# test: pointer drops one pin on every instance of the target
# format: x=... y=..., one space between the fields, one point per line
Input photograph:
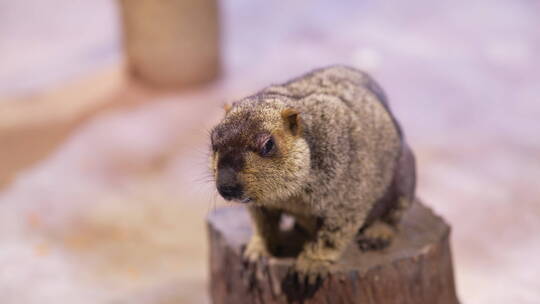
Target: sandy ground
x=116 y=213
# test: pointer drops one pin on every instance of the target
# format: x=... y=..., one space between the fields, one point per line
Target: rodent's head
x=259 y=154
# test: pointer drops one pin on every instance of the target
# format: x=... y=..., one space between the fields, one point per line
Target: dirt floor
x=115 y=214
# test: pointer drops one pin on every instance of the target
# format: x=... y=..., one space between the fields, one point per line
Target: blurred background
x=105 y=107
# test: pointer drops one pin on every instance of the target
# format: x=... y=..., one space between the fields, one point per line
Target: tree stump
x=416 y=268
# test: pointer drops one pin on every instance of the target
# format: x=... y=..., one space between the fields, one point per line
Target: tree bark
x=416 y=268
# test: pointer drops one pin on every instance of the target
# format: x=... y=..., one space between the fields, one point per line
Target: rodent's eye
x=268 y=147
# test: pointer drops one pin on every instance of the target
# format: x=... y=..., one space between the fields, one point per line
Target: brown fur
x=338 y=163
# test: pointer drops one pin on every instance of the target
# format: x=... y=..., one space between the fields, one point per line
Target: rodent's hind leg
x=376 y=236
x=405 y=185
x=264 y=240
x=393 y=217
x=379 y=234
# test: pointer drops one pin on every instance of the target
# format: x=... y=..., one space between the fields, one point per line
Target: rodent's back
x=348 y=84
x=352 y=135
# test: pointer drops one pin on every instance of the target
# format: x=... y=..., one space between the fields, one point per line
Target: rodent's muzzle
x=228 y=184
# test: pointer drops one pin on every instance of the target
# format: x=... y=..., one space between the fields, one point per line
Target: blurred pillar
x=171 y=43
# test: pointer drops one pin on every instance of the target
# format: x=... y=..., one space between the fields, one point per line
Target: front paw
x=306 y=279
x=312 y=271
x=255 y=249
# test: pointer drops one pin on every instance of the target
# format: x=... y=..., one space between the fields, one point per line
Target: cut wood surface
x=415 y=268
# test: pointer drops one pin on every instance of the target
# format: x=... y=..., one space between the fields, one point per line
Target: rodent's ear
x=292 y=119
x=227 y=107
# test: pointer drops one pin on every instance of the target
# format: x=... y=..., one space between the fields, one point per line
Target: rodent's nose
x=228 y=185
x=230 y=192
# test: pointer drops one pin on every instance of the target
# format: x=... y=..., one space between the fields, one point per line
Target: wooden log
x=416 y=268
x=171 y=43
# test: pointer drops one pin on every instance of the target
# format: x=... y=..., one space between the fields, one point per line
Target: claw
x=307 y=277
x=300 y=286
x=255 y=249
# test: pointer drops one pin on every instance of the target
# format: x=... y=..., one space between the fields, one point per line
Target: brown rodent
x=323 y=148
